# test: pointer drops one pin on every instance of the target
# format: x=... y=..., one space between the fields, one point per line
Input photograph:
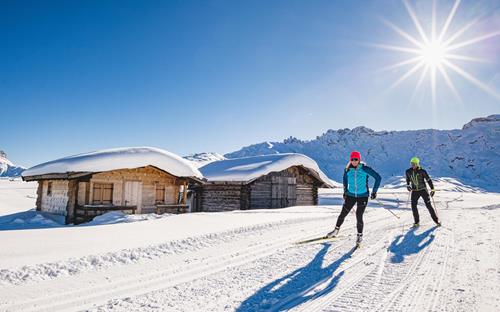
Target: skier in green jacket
x=416 y=177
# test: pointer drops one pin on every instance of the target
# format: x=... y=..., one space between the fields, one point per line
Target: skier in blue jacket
x=356 y=191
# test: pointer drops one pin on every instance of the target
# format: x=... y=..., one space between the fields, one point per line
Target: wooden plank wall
x=55 y=203
x=261 y=194
x=148 y=176
x=221 y=197
x=278 y=189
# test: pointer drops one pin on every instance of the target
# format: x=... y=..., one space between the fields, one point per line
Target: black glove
x=432 y=193
x=408 y=188
x=373 y=196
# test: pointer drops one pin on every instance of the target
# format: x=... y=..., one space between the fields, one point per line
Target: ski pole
x=408 y=200
x=382 y=205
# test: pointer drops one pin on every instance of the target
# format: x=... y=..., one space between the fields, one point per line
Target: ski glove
x=374 y=195
x=408 y=188
x=432 y=193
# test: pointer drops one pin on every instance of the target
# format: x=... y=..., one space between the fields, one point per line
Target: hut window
x=102 y=193
x=49 y=188
x=160 y=194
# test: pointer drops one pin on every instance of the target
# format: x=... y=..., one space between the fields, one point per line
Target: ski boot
x=438 y=224
x=333 y=233
x=415 y=225
x=359 y=239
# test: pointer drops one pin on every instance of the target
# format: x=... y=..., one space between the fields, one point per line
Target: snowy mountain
x=470 y=154
x=201 y=159
x=7 y=168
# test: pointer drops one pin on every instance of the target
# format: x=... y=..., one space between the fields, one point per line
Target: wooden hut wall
x=148 y=178
x=54 y=197
x=289 y=187
x=224 y=197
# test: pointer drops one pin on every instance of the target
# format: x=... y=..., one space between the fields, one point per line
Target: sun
x=434 y=54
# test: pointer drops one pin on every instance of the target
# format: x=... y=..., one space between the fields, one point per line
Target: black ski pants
x=415 y=195
x=348 y=204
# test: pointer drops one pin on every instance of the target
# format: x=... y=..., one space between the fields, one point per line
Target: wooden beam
x=184 y=193
x=39 y=194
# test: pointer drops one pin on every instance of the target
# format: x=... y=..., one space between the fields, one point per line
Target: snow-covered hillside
x=471 y=154
x=249 y=260
x=202 y=159
x=7 y=168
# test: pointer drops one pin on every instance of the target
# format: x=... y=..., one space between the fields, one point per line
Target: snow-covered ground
x=248 y=260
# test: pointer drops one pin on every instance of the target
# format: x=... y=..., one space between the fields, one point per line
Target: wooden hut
x=269 y=181
x=132 y=180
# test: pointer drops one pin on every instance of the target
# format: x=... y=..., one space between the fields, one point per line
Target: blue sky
x=191 y=76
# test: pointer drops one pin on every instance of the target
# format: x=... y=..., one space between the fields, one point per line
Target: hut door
x=133 y=194
x=283 y=192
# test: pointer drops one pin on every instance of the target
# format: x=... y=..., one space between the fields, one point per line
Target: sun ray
x=473 y=40
x=403 y=33
x=472 y=79
x=433 y=84
x=448 y=81
x=420 y=81
x=466 y=58
x=396 y=48
x=414 y=18
x=433 y=22
x=406 y=75
x=448 y=20
x=400 y=64
x=460 y=32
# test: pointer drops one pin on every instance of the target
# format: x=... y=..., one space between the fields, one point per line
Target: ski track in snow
x=452 y=268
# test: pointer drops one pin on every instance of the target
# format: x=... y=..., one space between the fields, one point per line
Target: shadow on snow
x=410 y=243
x=297 y=287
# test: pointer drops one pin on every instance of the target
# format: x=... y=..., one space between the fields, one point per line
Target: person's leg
x=362 y=202
x=427 y=201
x=348 y=204
x=415 y=195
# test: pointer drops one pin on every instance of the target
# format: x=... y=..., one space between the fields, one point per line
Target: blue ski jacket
x=356 y=180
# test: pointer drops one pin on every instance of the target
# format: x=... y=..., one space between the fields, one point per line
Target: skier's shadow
x=292 y=289
x=410 y=243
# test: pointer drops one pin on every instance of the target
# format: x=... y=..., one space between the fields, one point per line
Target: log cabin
x=132 y=180
x=268 y=181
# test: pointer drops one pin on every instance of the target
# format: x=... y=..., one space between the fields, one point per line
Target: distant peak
x=291 y=140
x=362 y=129
x=481 y=120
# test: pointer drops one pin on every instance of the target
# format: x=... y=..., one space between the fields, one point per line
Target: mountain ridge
x=7 y=168
x=470 y=154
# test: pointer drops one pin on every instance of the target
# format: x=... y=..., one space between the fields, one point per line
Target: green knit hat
x=415 y=160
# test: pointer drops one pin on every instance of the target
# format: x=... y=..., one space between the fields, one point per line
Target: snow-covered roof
x=248 y=169
x=118 y=158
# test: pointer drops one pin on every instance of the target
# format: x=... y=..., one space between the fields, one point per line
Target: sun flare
x=435 y=52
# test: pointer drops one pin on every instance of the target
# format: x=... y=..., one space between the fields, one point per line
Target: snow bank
x=30 y=219
x=440 y=184
x=114 y=217
x=248 y=169
x=41 y=255
x=118 y=158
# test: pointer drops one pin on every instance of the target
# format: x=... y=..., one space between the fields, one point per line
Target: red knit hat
x=355 y=154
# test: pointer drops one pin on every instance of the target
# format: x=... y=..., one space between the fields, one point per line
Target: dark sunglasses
x=354 y=159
